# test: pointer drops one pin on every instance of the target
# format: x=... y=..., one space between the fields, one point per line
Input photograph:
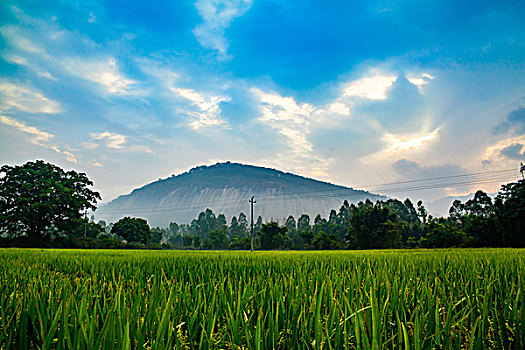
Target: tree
x=273 y=236
x=422 y=211
x=207 y=222
x=443 y=234
x=322 y=241
x=156 y=235
x=40 y=199
x=236 y=230
x=374 y=227
x=291 y=225
x=510 y=211
x=303 y=224
x=132 y=229
x=217 y=239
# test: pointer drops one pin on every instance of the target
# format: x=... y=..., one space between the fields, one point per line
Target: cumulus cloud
x=515 y=122
x=207 y=111
x=505 y=151
x=372 y=87
x=216 y=17
x=38 y=137
x=18 y=97
x=515 y=151
x=339 y=108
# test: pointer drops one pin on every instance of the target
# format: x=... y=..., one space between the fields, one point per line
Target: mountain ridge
x=226 y=187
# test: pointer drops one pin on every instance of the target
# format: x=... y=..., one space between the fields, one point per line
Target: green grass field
x=332 y=300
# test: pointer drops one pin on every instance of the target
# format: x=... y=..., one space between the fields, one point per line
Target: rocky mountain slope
x=226 y=188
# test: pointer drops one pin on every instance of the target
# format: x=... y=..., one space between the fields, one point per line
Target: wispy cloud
x=31 y=42
x=116 y=142
x=419 y=79
x=102 y=71
x=208 y=108
x=216 y=17
x=112 y=140
x=38 y=137
x=13 y=96
x=294 y=121
x=19 y=38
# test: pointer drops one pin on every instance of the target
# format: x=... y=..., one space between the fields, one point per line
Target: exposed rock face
x=226 y=188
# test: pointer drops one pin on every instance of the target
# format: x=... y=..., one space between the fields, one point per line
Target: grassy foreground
x=332 y=300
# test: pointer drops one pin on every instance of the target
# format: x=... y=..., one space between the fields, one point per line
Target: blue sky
x=355 y=93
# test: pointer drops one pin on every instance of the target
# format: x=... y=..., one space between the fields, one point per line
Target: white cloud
x=116 y=142
x=373 y=87
x=339 y=108
x=217 y=16
x=290 y=119
x=419 y=79
x=208 y=108
x=14 y=96
x=18 y=38
x=70 y=157
x=295 y=122
x=38 y=137
x=29 y=48
x=411 y=141
x=101 y=71
x=493 y=153
x=112 y=140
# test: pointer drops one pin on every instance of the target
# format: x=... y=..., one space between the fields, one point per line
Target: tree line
x=42 y=205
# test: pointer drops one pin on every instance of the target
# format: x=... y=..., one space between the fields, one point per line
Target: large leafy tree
x=510 y=211
x=132 y=229
x=273 y=236
x=38 y=199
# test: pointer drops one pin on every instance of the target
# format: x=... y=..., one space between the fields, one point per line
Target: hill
x=226 y=188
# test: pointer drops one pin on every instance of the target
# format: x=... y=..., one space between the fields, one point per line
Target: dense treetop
x=40 y=199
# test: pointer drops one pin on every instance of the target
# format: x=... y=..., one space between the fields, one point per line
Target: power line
x=332 y=192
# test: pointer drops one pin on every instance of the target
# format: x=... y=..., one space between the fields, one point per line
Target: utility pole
x=252 y=202
x=85 y=224
x=522 y=171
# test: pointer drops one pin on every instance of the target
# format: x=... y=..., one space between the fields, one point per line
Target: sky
x=357 y=93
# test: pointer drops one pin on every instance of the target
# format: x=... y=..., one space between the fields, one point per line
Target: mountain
x=226 y=188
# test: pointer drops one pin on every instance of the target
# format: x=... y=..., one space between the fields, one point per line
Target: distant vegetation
x=42 y=205
x=446 y=299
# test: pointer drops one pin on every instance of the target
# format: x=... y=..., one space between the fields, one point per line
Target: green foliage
x=132 y=230
x=374 y=227
x=217 y=239
x=444 y=234
x=273 y=236
x=443 y=299
x=40 y=200
x=323 y=241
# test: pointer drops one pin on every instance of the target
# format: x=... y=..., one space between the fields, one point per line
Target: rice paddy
x=418 y=299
